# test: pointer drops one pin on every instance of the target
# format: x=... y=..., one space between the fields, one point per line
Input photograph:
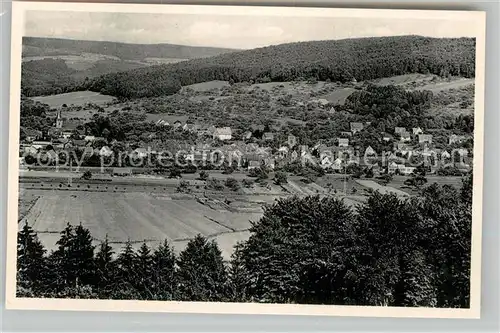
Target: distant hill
x=52 y=65
x=35 y=46
x=337 y=60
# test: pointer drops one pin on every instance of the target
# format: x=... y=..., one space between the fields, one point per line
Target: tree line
x=389 y=251
x=336 y=60
x=344 y=60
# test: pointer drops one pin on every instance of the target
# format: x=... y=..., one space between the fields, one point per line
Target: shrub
x=203 y=175
x=183 y=187
x=280 y=178
x=233 y=184
x=247 y=182
x=87 y=175
x=214 y=184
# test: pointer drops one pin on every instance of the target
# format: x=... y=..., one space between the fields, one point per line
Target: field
x=380 y=188
x=75 y=98
x=81 y=62
x=338 y=96
x=135 y=216
x=206 y=86
x=158 y=61
x=398 y=182
x=454 y=84
x=407 y=79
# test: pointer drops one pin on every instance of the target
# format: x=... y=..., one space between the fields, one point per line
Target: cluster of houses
x=219 y=133
x=407 y=146
x=250 y=155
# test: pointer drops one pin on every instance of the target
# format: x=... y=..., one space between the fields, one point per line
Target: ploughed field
x=139 y=217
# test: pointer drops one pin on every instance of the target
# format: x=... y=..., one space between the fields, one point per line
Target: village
x=411 y=148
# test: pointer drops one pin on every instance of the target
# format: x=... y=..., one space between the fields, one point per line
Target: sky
x=228 y=31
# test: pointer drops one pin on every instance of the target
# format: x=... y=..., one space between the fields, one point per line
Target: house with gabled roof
x=140 y=152
x=387 y=137
x=399 y=130
x=456 y=138
x=223 y=133
x=191 y=128
x=269 y=162
x=345 y=133
x=105 y=151
x=425 y=138
x=356 y=127
x=247 y=135
x=268 y=136
x=405 y=170
x=343 y=142
x=162 y=122
x=369 y=151
x=392 y=167
x=292 y=140
x=417 y=131
x=32 y=135
x=282 y=152
x=30 y=150
x=445 y=155
x=253 y=164
x=405 y=137
x=326 y=161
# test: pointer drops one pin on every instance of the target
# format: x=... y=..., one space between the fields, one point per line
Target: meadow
x=132 y=216
x=78 y=98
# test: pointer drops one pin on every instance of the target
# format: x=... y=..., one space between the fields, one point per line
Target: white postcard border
x=476 y=18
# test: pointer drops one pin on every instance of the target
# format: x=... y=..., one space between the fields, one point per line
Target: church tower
x=59 y=120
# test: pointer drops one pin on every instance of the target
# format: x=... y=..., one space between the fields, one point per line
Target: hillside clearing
x=404 y=79
x=338 y=96
x=206 y=86
x=78 y=98
x=440 y=86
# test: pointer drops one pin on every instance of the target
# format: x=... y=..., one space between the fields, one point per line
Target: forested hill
x=35 y=46
x=340 y=60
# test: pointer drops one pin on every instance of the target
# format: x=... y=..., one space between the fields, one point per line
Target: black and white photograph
x=246 y=159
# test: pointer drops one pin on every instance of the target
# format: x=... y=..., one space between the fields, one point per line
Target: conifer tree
x=31 y=262
x=144 y=271
x=238 y=275
x=202 y=274
x=61 y=260
x=82 y=252
x=74 y=258
x=164 y=276
x=105 y=269
x=126 y=274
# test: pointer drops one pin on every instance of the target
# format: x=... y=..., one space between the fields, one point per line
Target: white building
x=223 y=133
x=105 y=151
